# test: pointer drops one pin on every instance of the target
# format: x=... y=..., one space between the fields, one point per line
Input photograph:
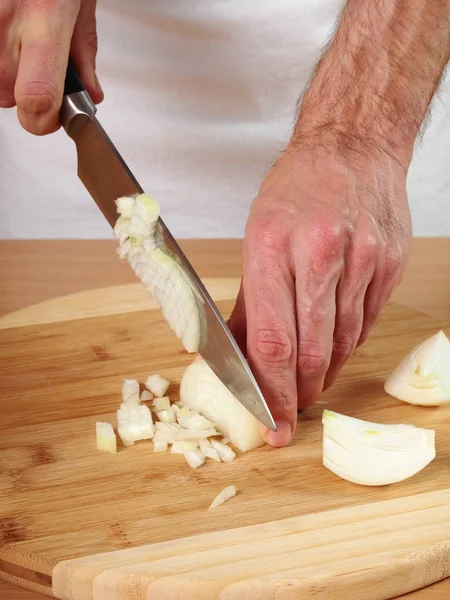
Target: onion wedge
x=373 y=454
x=201 y=390
x=423 y=376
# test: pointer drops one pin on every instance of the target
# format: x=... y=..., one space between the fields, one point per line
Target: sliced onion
x=223 y=496
x=162 y=276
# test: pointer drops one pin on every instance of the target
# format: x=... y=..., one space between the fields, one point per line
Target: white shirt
x=201 y=96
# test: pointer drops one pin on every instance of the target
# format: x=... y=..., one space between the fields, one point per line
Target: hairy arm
x=374 y=84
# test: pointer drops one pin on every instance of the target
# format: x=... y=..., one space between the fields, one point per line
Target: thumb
x=84 y=49
x=238 y=321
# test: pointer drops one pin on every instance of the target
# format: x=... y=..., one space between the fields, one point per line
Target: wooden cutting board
x=81 y=525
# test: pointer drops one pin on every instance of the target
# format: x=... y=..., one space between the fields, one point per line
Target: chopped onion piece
x=160 y=445
x=167 y=416
x=183 y=447
x=184 y=412
x=134 y=423
x=194 y=458
x=225 y=453
x=223 y=496
x=207 y=449
x=195 y=434
x=372 y=454
x=225 y=440
x=157 y=385
x=146 y=396
x=106 y=438
x=195 y=422
x=125 y=206
x=130 y=391
x=161 y=403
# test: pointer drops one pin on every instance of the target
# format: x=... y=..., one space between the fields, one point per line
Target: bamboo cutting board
x=80 y=525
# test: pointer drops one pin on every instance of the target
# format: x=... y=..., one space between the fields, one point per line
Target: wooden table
x=34 y=271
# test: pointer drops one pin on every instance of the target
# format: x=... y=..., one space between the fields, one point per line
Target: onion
x=372 y=454
x=163 y=277
x=195 y=422
x=161 y=403
x=160 y=445
x=146 y=396
x=202 y=390
x=423 y=376
x=130 y=391
x=194 y=458
x=157 y=385
x=183 y=447
x=167 y=416
x=225 y=453
x=223 y=496
x=106 y=438
x=207 y=449
x=134 y=423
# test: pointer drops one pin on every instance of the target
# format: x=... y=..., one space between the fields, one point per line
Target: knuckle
x=273 y=346
x=327 y=242
x=312 y=360
x=343 y=345
x=38 y=97
x=37 y=5
x=367 y=251
x=267 y=243
x=91 y=38
x=393 y=260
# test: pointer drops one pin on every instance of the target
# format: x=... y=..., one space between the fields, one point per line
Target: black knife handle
x=73 y=83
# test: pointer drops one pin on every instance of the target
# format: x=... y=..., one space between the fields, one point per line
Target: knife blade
x=106 y=177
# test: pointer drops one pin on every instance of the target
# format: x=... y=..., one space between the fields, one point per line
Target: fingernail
x=281 y=437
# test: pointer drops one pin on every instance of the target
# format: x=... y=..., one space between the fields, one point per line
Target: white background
x=200 y=97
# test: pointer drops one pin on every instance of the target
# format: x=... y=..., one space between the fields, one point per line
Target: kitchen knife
x=107 y=177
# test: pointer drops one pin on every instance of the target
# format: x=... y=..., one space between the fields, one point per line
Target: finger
x=46 y=33
x=238 y=321
x=317 y=277
x=271 y=330
x=84 y=49
x=359 y=270
x=9 y=62
x=386 y=277
x=9 y=59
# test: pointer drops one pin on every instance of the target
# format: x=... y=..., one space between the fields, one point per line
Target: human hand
x=326 y=242
x=36 y=37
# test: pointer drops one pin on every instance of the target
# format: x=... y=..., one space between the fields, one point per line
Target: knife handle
x=73 y=83
x=76 y=101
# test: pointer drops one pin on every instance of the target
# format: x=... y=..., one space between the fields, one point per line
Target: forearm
x=376 y=80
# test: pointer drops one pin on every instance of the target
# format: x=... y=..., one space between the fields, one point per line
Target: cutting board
x=82 y=525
